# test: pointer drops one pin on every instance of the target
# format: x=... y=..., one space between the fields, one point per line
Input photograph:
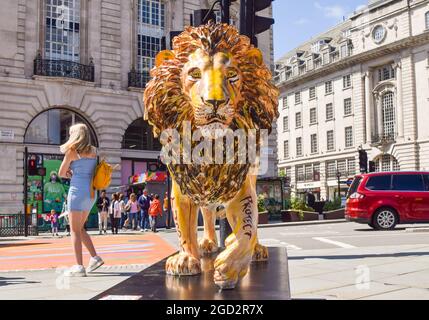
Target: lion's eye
x=231 y=74
x=195 y=73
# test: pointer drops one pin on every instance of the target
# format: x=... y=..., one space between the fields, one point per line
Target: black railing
x=63 y=68
x=12 y=225
x=383 y=138
x=138 y=79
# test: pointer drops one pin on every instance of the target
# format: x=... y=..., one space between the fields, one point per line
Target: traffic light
x=250 y=23
x=32 y=167
x=226 y=4
x=371 y=166
x=363 y=161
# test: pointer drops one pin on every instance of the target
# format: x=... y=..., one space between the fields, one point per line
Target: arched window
x=386 y=163
x=51 y=127
x=389 y=120
x=139 y=136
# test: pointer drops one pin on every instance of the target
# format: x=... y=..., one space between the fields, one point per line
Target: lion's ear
x=164 y=56
x=256 y=55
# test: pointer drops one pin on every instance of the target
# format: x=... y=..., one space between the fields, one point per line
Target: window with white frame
x=331 y=169
x=328 y=87
x=349 y=137
x=314 y=143
x=386 y=73
x=285 y=104
x=344 y=51
x=289 y=172
x=342 y=167
x=330 y=143
x=351 y=166
x=298 y=120
x=151 y=21
x=316 y=172
x=309 y=172
x=329 y=112
x=62 y=32
x=297 y=97
x=299 y=147
x=348 y=107
x=312 y=93
x=389 y=121
x=347 y=81
x=286 y=149
x=300 y=177
x=313 y=116
x=285 y=123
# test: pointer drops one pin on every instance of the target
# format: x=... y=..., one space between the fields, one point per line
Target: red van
x=383 y=200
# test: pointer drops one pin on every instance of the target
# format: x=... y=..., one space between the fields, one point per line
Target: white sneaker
x=75 y=271
x=94 y=263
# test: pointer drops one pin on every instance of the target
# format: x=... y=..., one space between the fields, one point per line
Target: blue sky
x=299 y=20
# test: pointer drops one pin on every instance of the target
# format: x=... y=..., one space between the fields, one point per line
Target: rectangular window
x=285 y=105
x=297 y=97
x=309 y=172
x=329 y=112
x=300 y=177
x=386 y=73
x=312 y=93
x=62 y=32
x=313 y=116
x=348 y=107
x=285 y=124
x=328 y=87
x=330 y=140
x=408 y=182
x=286 y=149
x=349 y=137
x=379 y=183
x=347 y=81
x=331 y=169
x=343 y=51
x=351 y=167
x=299 y=147
x=314 y=145
x=150 y=31
x=342 y=167
x=298 y=120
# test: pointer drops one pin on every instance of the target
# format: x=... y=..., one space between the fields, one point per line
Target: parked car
x=384 y=200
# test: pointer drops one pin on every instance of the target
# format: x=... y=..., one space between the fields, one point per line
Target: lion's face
x=213 y=85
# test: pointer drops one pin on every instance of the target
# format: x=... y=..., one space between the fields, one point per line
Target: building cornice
x=348 y=62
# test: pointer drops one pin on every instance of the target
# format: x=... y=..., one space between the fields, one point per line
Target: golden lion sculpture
x=213 y=79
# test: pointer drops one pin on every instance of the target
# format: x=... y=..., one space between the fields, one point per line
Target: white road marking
x=335 y=243
x=285 y=234
x=275 y=242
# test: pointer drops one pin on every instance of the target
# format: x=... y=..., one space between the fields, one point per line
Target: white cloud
x=334 y=11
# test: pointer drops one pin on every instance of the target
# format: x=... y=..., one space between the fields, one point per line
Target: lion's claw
x=260 y=253
x=183 y=264
x=208 y=246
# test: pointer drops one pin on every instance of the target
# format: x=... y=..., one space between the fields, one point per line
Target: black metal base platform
x=265 y=281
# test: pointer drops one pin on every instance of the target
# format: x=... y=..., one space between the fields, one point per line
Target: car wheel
x=385 y=219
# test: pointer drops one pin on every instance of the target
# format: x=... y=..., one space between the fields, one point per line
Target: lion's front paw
x=208 y=246
x=260 y=253
x=230 y=266
x=183 y=264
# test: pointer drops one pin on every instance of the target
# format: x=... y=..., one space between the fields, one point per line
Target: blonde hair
x=79 y=139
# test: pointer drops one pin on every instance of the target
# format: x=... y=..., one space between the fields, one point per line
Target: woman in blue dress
x=79 y=164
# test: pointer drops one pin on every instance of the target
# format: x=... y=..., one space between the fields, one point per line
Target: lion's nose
x=216 y=104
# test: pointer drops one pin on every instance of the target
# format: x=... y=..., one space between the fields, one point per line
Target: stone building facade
x=362 y=84
x=68 y=61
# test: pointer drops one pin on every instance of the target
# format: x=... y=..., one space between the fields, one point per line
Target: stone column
x=368 y=105
x=399 y=104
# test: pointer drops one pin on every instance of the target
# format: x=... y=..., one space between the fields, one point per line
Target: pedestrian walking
x=54 y=223
x=133 y=207
x=155 y=210
x=144 y=202
x=103 y=206
x=66 y=220
x=124 y=214
x=79 y=164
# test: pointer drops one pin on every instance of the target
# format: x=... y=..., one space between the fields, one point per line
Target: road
x=352 y=261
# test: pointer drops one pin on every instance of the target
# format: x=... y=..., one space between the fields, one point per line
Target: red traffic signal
x=32 y=167
x=250 y=23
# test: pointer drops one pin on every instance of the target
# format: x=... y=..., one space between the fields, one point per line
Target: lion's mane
x=167 y=107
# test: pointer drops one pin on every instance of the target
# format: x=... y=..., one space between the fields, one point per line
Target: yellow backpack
x=102 y=177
